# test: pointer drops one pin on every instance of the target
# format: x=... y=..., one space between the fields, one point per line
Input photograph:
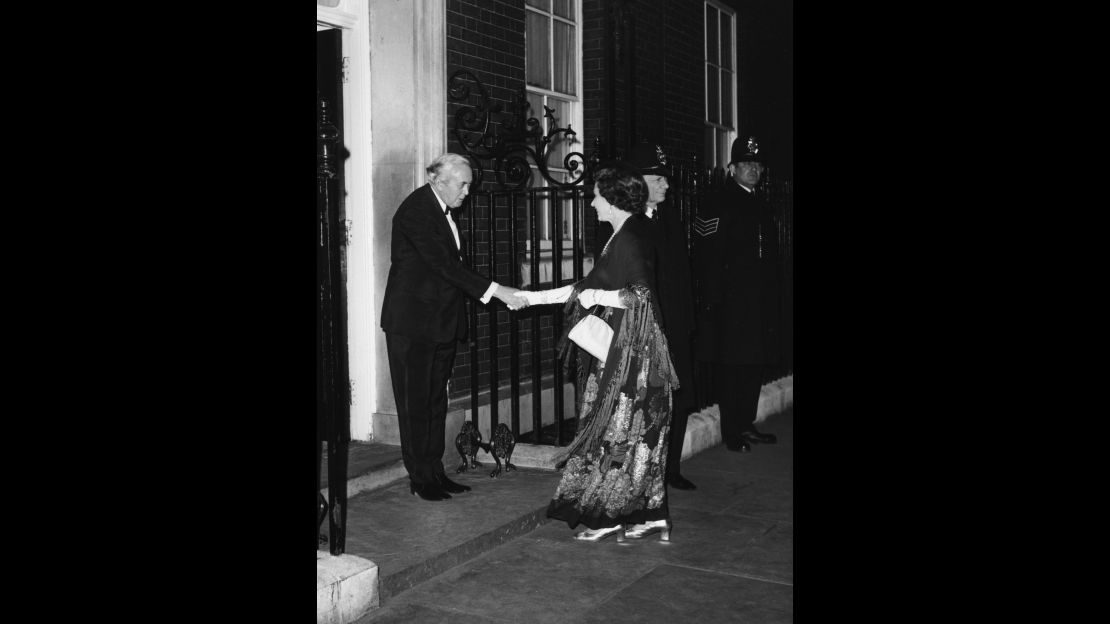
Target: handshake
x=511 y=296
x=516 y=299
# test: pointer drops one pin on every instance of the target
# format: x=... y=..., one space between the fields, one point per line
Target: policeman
x=676 y=297
x=734 y=247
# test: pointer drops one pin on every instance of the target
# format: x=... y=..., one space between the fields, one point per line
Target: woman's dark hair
x=623 y=186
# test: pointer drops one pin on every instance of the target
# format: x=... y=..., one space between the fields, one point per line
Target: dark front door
x=333 y=413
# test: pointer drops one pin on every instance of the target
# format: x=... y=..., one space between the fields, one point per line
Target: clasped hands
x=511 y=297
x=517 y=299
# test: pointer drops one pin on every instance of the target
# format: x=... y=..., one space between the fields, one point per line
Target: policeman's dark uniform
x=734 y=247
x=673 y=279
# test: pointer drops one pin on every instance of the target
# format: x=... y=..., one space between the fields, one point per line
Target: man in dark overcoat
x=676 y=296
x=424 y=318
x=734 y=246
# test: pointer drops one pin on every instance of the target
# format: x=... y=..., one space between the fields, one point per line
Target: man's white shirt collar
x=442 y=204
x=450 y=221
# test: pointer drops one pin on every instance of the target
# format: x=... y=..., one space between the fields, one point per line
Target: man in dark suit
x=734 y=242
x=424 y=318
x=676 y=298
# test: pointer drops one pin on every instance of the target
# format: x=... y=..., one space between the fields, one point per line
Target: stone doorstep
x=374 y=478
x=346 y=588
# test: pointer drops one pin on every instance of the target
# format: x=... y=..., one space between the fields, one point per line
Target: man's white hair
x=449 y=160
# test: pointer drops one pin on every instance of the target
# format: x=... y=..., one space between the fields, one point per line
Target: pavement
x=491 y=555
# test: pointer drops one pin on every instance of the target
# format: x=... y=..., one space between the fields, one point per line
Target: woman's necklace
x=611 y=236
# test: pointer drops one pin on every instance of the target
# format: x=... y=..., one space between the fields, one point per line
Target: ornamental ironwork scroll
x=514 y=140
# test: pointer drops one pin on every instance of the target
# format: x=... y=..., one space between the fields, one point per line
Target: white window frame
x=720 y=152
x=555 y=168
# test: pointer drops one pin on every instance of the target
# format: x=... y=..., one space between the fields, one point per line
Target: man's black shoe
x=680 y=482
x=450 y=486
x=740 y=445
x=428 y=491
x=756 y=437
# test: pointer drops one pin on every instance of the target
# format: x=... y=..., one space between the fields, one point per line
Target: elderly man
x=734 y=240
x=676 y=298
x=424 y=318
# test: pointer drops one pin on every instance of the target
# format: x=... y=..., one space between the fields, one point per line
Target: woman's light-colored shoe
x=596 y=535
x=638 y=531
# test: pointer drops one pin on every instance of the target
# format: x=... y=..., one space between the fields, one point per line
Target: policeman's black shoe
x=740 y=444
x=756 y=437
x=428 y=491
x=450 y=486
x=680 y=482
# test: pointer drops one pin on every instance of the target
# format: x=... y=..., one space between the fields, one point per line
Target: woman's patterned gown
x=615 y=467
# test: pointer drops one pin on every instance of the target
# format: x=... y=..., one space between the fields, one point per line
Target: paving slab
x=769 y=498
x=530 y=580
x=677 y=594
x=771 y=555
x=708 y=541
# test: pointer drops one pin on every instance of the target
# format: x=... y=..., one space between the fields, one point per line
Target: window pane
x=726 y=41
x=537 y=51
x=711 y=34
x=535 y=103
x=565 y=59
x=540 y=4
x=726 y=98
x=543 y=204
x=724 y=148
x=712 y=95
x=566 y=214
x=564 y=8
x=710 y=155
x=560 y=148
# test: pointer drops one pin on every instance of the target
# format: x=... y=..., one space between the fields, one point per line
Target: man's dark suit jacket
x=427 y=278
x=735 y=286
x=676 y=297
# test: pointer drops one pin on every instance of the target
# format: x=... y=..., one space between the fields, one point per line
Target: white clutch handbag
x=594 y=335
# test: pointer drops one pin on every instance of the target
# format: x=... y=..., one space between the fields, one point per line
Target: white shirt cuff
x=489 y=292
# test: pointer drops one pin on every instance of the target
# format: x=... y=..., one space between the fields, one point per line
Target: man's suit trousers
x=738 y=394
x=420 y=371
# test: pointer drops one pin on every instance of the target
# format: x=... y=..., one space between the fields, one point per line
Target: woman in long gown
x=614 y=474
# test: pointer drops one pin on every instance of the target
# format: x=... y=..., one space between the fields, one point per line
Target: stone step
x=370 y=465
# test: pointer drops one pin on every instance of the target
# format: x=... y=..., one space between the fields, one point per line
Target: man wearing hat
x=676 y=297
x=734 y=240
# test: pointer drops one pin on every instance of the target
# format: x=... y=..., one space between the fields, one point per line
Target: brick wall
x=665 y=73
x=486 y=38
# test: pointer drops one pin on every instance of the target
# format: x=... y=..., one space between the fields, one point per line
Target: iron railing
x=513 y=353
x=523 y=343
x=689 y=185
x=333 y=414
